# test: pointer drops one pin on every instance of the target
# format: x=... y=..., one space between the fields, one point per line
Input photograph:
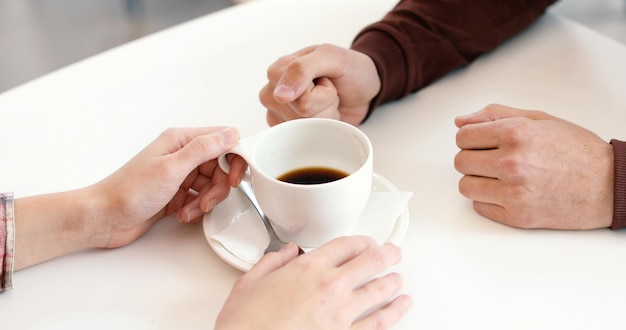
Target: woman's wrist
x=95 y=213
x=52 y=225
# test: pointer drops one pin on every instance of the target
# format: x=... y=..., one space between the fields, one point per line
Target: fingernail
x=407 y=301
x=291 y=245
x=210 y=205
x=193 y=213
x=287 y=246
x=230 y=135
x=284 y=91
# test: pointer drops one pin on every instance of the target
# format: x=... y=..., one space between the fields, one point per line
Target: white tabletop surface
x=75 y=126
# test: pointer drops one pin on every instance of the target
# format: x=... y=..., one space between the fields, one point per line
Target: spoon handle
x=275 y=243
x=246 y=187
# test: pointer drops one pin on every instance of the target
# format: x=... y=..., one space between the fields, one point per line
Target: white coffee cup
x=309 y=214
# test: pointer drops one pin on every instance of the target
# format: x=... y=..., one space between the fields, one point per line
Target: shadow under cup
x=312 y=214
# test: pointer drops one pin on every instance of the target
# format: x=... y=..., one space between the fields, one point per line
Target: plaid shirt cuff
x=7 y=241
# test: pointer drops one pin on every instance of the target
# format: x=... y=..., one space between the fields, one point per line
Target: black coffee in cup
x=312 y=175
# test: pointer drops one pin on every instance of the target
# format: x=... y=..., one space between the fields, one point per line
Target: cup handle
x=243 y=149
x=222 y=161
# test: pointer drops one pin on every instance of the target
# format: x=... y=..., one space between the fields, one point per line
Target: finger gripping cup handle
x=222 y=160
x=223 y=163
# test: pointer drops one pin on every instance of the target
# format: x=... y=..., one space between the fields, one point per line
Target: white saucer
x=236 y=206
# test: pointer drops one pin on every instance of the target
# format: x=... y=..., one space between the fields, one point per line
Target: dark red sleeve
x=619 y=192
x=421 y=40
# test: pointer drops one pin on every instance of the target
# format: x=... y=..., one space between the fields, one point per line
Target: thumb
x=310 y=64
x=204 y=148
x=291 y=87
x=274 y=260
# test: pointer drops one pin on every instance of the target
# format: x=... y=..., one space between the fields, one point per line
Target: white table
x=75 y=126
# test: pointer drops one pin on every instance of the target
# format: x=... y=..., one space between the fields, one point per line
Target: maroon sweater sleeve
x=421 y=40
x=619 y=192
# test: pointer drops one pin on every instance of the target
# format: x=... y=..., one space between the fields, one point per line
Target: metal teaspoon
x=275 y=243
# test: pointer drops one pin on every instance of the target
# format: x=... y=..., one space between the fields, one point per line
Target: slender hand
x=320 y=81
x=531 y=170
x=177 y=173
x=332 y=287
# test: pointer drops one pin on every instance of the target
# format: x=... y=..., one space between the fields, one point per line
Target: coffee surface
x=312 y=175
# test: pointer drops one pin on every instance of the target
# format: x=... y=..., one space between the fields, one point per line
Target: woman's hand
x=177 y=173
x=332 y=287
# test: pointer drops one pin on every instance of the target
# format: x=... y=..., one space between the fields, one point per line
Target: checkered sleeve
x=7 y=241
